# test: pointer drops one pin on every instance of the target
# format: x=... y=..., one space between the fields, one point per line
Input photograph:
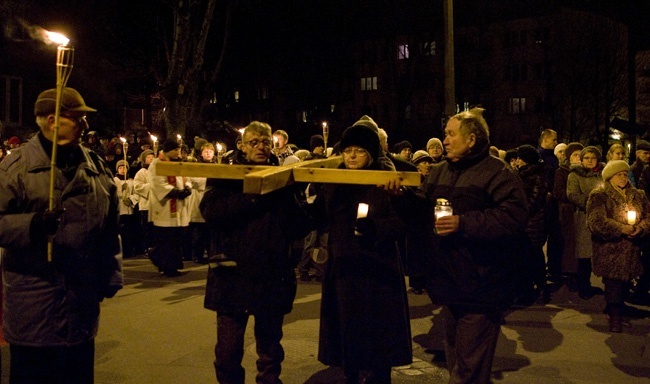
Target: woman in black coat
x=365 y=325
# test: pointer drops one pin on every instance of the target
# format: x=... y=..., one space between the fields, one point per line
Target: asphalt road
x=156 y=331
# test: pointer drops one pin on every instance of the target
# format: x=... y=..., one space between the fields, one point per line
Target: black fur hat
x=363 y=137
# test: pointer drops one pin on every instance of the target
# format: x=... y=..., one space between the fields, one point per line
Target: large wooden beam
x=262 y=179
x=347 y=176
x=213 y=171
x=273 y=178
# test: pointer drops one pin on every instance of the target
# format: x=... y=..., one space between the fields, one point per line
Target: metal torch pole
x=64 y=61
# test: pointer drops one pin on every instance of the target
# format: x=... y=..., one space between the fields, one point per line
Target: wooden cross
x=261 y=179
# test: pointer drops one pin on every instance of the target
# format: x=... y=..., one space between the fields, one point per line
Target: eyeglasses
x=77 y=119
x=357 y=152
x=254 y=143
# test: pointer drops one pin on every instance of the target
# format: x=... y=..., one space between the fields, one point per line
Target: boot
x=615 y=320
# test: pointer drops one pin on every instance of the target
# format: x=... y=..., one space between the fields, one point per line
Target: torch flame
x=219 y=147
x=123 y=139
x=56 y=38
x=154 y=138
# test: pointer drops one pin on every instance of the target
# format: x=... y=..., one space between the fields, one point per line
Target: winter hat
x=420 y=156
x=434 y=140
x=614 y=167
x=362 y=136
x=642 y=145
x=170 y=144
x=71 y=100
x=528 y=153
x=401 y=146
x=572 y=147
x=121 y=163
x=316 y=141
x=368 y=122
x=198 y=143
x=14 y=140
x=144 y=154
x=558 y=148
x=594 y=150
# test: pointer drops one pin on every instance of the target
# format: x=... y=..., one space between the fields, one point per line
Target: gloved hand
x=180 y=194
x=364 y=227
x=45 y=223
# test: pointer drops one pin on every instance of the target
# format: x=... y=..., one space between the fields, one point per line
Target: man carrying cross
x=254 y=233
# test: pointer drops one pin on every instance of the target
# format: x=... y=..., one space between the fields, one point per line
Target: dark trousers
x=167 y=254
x=615 y=291
x=201 y=239
x=128 y=226
x=315 y=241
x=470 y=344
x=144 y=238
x=229 y=350
x=52 y=365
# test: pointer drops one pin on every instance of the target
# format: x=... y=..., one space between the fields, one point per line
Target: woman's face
x=355 y=157
x=435 y=151
x=618 y=154
x=575 y=157
x=590 y=160
x=619 y=179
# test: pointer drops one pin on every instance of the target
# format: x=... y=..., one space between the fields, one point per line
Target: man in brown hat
x=52 y=306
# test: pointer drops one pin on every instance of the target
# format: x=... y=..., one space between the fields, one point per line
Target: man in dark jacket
x=471 y=268
x=52 y=299
x=255 y=233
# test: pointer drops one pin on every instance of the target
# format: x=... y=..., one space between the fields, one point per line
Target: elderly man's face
x=256 y=147
x=457 y=144
x=643 y=156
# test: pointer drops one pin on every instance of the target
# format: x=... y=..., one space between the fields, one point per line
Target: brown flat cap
x=71 y=100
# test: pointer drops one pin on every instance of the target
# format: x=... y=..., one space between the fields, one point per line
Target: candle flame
x=178 y=136
x=324 y=124
x=219 y=147
x=123 y=140
x=56 y=38
x=154 y=138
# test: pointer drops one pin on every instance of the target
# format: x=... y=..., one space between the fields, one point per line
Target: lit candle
x=362 y=211
x=631 y=217
x=326 y=133
x=180 y=140
x=155 y=145
x=219 y=153
x=125 y=146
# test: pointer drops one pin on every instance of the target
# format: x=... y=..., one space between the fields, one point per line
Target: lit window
x=517 y=105
x=429 y=48
x=369 y=83
x=11 y=94
x=403 y=51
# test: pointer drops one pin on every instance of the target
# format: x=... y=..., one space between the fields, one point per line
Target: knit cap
x=528 y=153
x=614 y=167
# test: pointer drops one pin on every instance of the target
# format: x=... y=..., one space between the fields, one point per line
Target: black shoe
x=171 y=273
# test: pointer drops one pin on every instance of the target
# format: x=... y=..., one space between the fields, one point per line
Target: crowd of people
x=512 y=222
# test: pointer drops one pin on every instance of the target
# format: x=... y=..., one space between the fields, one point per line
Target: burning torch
x=64 y=61
x=326 y=133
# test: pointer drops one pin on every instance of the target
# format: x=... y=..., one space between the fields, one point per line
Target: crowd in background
x=581 y=213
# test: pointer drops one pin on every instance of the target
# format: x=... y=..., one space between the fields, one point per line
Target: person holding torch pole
x=52 y=299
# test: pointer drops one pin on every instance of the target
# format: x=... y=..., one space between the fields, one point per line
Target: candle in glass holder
x=362 y=211
x=631 y=217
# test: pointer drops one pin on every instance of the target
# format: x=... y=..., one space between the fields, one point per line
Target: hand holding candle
x=631 y=217
x=363 y=226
